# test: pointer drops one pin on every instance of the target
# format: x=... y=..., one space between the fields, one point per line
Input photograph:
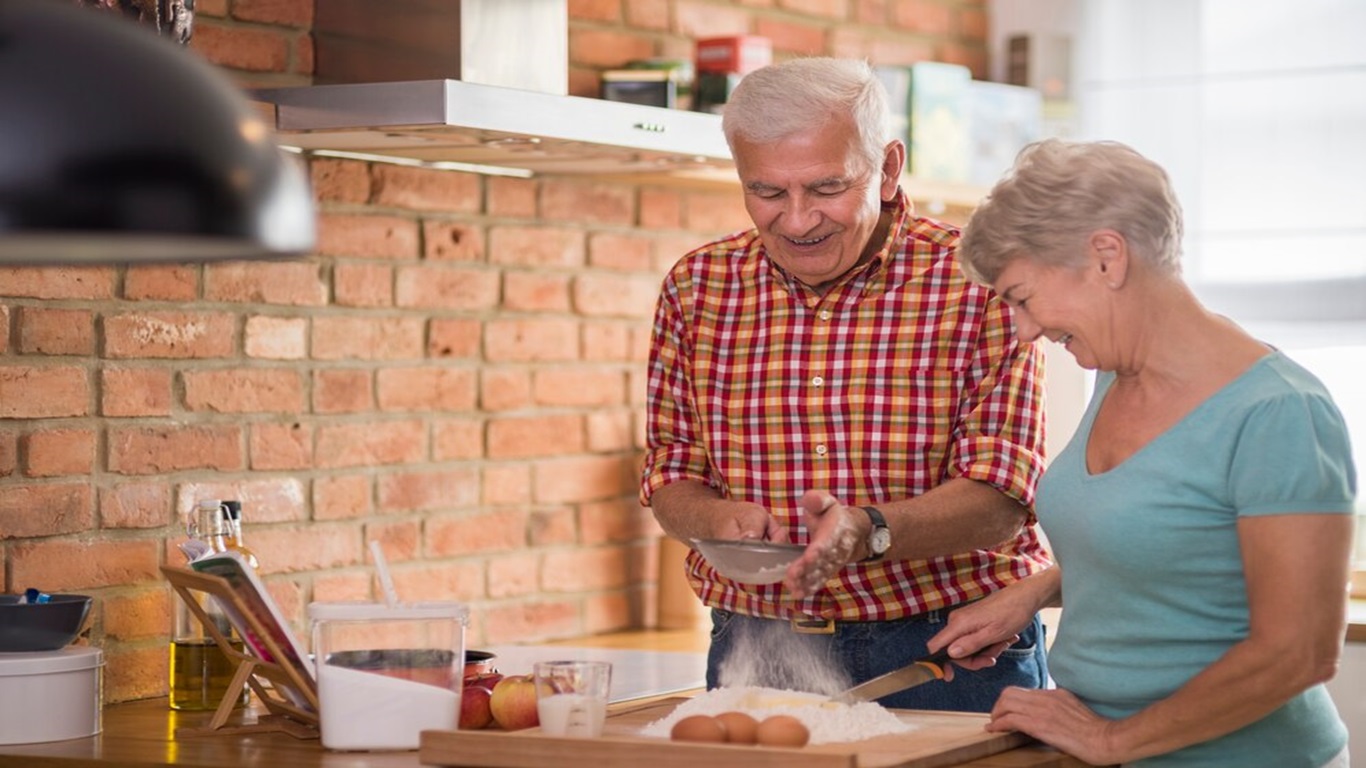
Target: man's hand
x=838 y=536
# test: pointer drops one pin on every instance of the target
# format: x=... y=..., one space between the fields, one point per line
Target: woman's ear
x=1110 y=252
x=893 y=164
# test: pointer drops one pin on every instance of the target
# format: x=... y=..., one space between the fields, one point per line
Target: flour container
x=50 y=695
x=387 y=673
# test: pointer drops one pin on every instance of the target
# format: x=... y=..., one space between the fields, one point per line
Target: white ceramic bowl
x=748 y=561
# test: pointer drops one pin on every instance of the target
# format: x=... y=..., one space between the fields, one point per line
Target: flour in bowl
x=829 y=721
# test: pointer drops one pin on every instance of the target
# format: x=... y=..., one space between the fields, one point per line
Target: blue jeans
x=766 y=652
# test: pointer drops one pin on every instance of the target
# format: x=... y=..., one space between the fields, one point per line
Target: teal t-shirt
x=1153 y=587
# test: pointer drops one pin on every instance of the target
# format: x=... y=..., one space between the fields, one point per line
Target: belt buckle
x=810 y=625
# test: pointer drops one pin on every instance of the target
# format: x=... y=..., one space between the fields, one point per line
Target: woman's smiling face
x=814 y=200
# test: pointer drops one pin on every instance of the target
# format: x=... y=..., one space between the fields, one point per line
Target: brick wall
x=456 y=372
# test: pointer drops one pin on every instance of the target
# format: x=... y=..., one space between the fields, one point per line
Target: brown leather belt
x=808 y=625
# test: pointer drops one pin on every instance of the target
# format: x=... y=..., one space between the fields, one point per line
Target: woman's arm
x=977 y=633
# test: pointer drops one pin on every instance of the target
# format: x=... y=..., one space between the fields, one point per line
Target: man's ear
x=893 y=165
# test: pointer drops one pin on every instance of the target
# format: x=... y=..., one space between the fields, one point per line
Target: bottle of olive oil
x=200 y=671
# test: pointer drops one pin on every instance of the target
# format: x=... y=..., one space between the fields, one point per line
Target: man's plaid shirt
x=902 y=376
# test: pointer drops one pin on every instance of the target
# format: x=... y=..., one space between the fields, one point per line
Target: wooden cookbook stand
x=280 y=687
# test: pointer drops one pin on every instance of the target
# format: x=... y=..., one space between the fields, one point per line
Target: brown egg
x=782 y=731
x=698 y=728
x=740 y=727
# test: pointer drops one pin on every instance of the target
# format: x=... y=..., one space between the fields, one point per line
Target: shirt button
x=824 y=315
x=817 y=381
x=821 y=450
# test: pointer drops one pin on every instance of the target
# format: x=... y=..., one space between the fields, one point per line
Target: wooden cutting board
x=939 y=739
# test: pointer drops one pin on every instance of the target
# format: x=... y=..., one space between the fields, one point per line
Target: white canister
x=50 y=695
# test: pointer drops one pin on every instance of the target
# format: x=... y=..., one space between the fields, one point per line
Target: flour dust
x=768 y=654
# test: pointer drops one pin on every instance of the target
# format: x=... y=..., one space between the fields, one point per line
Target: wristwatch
x=880 y=538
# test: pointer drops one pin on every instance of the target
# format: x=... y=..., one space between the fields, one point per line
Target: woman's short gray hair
x=784 y=99
x=1057 y=193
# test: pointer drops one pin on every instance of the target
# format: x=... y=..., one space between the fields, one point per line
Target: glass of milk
x=387 y=672
x=571 y=696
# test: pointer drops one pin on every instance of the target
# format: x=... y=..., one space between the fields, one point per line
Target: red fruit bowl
x=45 y=626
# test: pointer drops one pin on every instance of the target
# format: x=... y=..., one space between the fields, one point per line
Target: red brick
x=292 y=13
x=55 y=331
x=276 y=338
x=4 y=329
x=585 y=202
x=426 y=491
x=169 y=335
x=9 y=453
x=578 y=479
x=161 y=282
x=455 y=439
x=608 y=431
x=364 y=444
x=648 y=14
x=506 y=484
x=141 y=615
x=527 y=436
x=68 y=565
x=462 y=581
x=872 y=12
x=425 y=388
x=613 y=611
x=610 y=250
x=927 y=17
x=36 y=393
x=454 y=338
x=614 y=295
x=342 y=587
x=595 y=10
x=514 y=575
x=136 y=505
x=363 y=285
x=341 y=497
x=669 y=250
x=136 y=672
x=523 y=622
x=974 y=57
x=135 y=392
x=280 y=446
x=792 y=37
x=342 y=391
x=45 y=510
x=58 y=282
x=370 y=237
x=606 y=342
x=452 y=241
x=297 y=549
x=426 y=189
x=400 y=540
x=715 y=213
x=250 y=390
x=265 y=499
x=615 y=521
x=829 y=9
x=536 y=246
x=158 y=450
x=337 y=180
x=290 y=283
x=582 y=569
x=512 y=197
x=901 y=51
x=973 y=24
x=584 y=82
x=504 y=389
x=535 y=292
x=660 y=208
x=238 y=47
x=367 y=338
x=453 y=535
x=608 y=48
x=57 y=452
x=698 y=20
x=590 y=387
x=531 y=339
x=443 y=287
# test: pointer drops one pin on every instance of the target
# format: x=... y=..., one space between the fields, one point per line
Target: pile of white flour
x=828 y=721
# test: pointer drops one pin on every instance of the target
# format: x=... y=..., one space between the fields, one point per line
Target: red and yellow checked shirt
x=902 y=376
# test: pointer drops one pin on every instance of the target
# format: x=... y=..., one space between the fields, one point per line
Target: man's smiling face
x=814 y=199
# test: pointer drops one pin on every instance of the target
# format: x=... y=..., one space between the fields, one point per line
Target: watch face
x=880 y=541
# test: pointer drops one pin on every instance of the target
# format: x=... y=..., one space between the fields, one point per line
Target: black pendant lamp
x=118 y=145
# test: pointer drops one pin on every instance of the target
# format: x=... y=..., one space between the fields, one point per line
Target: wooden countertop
x=1356 y=620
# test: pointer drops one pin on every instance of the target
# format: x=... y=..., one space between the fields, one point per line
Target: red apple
x=513 y=703
x=474 y=708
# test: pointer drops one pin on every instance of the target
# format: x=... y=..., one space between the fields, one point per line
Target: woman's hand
x=1057 y=718
x=977 y=633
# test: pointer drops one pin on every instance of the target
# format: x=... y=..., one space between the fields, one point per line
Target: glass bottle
x=200 y=671
x=233 y=538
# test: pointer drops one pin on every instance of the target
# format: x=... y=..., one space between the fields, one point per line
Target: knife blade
x=917 y=672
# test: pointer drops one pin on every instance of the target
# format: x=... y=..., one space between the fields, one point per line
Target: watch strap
x=879 y=524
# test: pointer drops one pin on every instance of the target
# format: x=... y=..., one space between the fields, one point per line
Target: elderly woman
x=1200 y=517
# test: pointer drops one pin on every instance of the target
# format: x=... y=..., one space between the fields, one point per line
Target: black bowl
x=41 y=626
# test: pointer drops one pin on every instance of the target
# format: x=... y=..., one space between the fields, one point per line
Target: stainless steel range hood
x=494 y=127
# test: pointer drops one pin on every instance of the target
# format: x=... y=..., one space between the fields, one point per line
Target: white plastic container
x=385 y=674
x=50 y=695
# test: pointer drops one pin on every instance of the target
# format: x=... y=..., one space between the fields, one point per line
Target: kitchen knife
x=919 y=671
